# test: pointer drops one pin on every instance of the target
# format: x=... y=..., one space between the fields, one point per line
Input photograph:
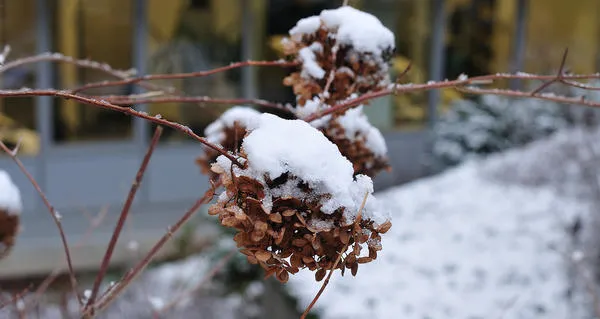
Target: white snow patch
x=354 y=27
x=309 y=63
x=10 y=196
x=462 y=246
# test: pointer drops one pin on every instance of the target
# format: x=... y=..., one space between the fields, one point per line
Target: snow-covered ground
x=467 y=244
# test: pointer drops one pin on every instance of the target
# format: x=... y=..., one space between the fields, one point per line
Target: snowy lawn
x=463 y=245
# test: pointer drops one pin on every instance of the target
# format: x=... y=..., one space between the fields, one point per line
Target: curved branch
x=122 y=109
x=183 y=75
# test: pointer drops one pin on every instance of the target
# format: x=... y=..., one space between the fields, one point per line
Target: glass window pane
x=17 y=115
x=101 y=31
x=189 y=36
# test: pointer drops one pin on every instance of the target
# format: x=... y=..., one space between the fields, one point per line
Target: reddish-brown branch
x=541 y=96
x=557 y=78
x=337 y=261
x=94 y=223
x=116 y=290
x=81 y=63
x=122 y=218
x=122 y=109
x=53 y=214
x=196 y=99
x=184 y=75
x=459 y=85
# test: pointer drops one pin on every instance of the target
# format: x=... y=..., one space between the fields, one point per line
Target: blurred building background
x=85 y=158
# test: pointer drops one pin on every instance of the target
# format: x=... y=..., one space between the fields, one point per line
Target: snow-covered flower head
x=296 y=200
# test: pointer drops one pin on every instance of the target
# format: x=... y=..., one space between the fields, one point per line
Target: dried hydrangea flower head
x=295 y=201
x=351 y=46
x=10 y=209
x=228 y=131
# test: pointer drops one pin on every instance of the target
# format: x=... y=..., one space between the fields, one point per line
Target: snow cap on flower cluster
x=275 y=146
x=10 y=197
x=241 y=114
x=354 y=27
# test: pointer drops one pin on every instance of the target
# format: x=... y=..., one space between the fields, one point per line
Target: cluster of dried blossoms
x=295 y=203
x=10 y=208
x=9 y=226
x=343 y=53
x=296 y=200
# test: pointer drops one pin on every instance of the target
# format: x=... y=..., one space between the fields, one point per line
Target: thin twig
x=541 y=96
x=117 y=289
x=53 y=214
x=215 y=270
x=116 y=99
x=183 y=75
x=122 y=109
x=81 y=63
x=314 y=301
x=122 y=218
x=557 y=78
x=94 y=223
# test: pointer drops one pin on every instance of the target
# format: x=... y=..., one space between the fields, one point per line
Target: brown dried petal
x=344 y=237
x=383 y=228
x=249 y=185
x=296 y=260
x=283 y=276
x=354 y=269
x=262 y=255
x=320 y=274
x=270 y=272
x=275 y=217
x=299 y=242
x=215 y=209
x=289 y=212
x=252 y=260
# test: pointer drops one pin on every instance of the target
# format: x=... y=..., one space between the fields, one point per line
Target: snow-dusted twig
x=122 y=218
x=337 y=261
x=183 y=75
x=122 y=109
x=112 y=293
x=53 y=214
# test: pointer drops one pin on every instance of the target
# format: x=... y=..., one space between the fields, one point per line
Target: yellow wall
x=552 y=26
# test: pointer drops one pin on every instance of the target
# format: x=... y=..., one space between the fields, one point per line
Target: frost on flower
x=228 y=131
x=10 y=209
x=295 y=201
x=353 y=45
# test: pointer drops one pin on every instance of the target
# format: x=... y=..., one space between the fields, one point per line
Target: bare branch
x=127 y=110
x=53 y=214
x=183 y=75
x=196 y=99
x=558 y=77
x=117 y=289
x=123 y=217
x=314 y=301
